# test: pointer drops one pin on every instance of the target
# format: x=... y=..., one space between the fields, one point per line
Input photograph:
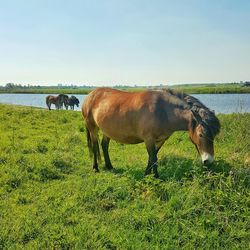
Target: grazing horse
x=150 y=117
x=73 y=101
x=63 y=99
x=50 y=99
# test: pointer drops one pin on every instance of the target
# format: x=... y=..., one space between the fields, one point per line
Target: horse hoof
x=110 y=168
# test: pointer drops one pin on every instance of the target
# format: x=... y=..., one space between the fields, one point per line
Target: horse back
x=52 y=99
x=108 y=101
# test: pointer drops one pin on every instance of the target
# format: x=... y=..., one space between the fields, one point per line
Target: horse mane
x=202 y=113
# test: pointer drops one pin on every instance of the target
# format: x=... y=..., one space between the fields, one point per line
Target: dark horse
x=58 y=101
x=63 y=100
x=73 y=101
x=149 y=117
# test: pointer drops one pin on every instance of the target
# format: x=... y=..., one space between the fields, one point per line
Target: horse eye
x=200 y=135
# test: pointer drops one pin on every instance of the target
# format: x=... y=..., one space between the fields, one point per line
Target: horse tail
x=93 y=145
x=89 y=142
x=92 y=132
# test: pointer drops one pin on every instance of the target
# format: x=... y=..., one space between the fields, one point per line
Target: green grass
x=51 y=198
x=45 y=90
x=213 y=89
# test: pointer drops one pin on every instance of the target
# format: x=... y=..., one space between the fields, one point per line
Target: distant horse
x=58 y=101
x=50 y=99
x=73 y=101
x=149 y=117
x=63 y=100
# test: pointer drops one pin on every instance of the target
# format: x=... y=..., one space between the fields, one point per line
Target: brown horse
x=149 y=117
x=58 y=101
x=50 y=99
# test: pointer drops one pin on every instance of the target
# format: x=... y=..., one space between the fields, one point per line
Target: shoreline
x=216 y=89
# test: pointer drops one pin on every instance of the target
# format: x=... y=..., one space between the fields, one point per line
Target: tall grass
x=50 y=197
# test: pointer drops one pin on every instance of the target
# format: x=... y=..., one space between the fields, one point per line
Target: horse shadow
x=177 y=168
x=129 y=171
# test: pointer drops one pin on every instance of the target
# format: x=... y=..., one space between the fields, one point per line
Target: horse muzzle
x=206 y=158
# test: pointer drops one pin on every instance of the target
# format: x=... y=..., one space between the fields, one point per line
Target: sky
x=126 y=42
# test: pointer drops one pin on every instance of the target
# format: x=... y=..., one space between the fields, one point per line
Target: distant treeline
x=211 y=88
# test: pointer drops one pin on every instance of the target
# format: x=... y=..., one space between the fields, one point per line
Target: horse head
x=203 y=129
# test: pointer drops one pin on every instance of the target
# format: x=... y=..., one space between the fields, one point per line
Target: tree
x=10 y=86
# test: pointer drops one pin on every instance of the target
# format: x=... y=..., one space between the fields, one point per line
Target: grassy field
x=213 y=89
x=47 y=91
x=191 y=89
x=51 y=199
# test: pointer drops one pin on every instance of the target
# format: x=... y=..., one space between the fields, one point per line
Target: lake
x=221 y=103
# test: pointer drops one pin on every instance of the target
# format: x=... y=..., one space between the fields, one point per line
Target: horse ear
x=203 y=113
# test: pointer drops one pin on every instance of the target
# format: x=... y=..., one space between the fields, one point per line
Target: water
x=226 y=103
x=35 y=100
x=220 y=103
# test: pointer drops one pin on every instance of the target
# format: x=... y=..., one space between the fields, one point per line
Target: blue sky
x=124 y=42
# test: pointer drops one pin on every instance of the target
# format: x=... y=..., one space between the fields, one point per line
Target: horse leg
x=57 y=105
x=48 y=103
x=159 y=145
x=96 y=153
x=105 y=147
x=152 y=160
